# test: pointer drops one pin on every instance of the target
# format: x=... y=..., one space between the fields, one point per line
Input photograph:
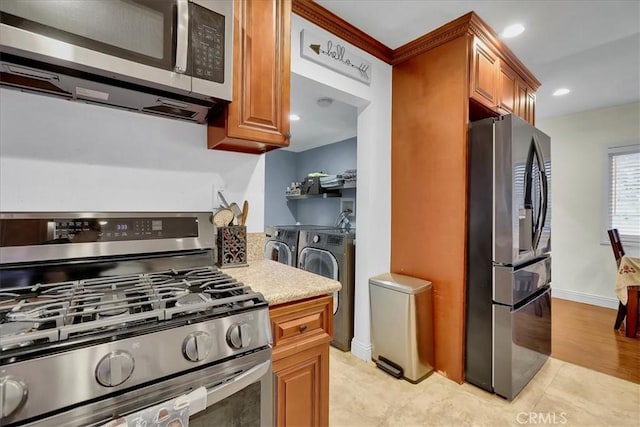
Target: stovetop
x=48 y=313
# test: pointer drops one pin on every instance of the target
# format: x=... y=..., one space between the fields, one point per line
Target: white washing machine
x=331 y=253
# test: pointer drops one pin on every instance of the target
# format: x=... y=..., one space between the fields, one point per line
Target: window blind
x=624 y=191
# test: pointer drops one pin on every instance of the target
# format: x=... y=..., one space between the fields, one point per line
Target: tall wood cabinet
x=301 y=334
x=257 y=119
x=458 y=72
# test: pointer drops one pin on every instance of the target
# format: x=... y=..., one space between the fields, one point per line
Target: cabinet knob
x=287 y=135
x=303 y=328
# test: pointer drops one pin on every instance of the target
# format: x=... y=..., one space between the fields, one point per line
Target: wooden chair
x=630 y=311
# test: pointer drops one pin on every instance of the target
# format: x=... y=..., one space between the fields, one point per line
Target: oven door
x=139 y=40
x=239 y=392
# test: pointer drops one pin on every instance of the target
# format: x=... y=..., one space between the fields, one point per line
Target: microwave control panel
x=206 y=34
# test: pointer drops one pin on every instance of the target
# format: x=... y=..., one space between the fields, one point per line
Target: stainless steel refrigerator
x=508 y=311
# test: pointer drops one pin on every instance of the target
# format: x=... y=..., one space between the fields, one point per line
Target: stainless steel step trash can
x=402 y=325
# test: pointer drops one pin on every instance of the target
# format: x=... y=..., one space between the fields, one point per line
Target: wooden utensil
x=245 y=212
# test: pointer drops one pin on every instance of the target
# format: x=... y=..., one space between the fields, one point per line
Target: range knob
x=13 y=394
x=239 y=335
x=114 y=368
x=316 y=238
x=196 y=346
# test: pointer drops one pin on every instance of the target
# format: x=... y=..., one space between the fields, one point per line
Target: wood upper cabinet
x=521 y=99
x=301 y=334
x=506 y=89
x=530 y=114
x=495 y=84
x=257 y=119
x=484 y=70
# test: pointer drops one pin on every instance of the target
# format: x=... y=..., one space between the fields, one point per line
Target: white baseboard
x=598 y=300
x=361 y=350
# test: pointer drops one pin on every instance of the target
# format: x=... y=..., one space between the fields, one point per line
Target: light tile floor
x=560 y=394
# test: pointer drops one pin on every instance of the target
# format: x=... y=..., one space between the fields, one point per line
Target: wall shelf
x=315 y=196
x=333 y=192
x=351 y=184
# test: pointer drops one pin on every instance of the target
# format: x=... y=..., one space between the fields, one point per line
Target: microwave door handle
x=182 y=36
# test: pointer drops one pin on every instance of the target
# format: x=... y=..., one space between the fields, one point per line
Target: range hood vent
x=34 y=76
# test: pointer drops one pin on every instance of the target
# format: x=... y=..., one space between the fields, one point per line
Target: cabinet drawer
x=301 y=324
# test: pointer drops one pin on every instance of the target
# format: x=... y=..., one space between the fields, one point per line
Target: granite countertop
x=280 y=283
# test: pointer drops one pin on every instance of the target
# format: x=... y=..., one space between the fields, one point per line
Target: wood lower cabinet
x=257 y=119
x=301 y=388
x=301 y=333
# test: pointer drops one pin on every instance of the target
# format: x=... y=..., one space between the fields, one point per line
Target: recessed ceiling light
x=561 y=91
x=512 y=31
x=294 y=117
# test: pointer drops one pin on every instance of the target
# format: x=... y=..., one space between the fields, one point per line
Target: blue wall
x=281 y=170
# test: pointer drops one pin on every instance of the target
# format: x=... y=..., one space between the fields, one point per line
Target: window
x=624 y=191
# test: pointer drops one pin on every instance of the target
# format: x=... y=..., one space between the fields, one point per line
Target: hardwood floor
x=583 y=334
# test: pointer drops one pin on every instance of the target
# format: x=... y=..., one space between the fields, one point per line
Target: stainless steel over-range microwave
x=181 y=47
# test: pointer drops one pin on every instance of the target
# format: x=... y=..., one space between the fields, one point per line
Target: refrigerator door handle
x=535 y=226
x=542 y=214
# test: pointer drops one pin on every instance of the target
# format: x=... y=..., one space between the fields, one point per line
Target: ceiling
x=590 y=47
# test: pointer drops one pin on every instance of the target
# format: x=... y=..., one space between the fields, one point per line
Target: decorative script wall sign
x=334 y=54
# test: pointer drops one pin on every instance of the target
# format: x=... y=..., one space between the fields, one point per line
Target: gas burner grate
x=60 y=311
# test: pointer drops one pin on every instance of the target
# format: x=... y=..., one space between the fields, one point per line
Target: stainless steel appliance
x=281 y=242
x=331 y=253
x=508 y=313
x=105 y=314
x=169 y=57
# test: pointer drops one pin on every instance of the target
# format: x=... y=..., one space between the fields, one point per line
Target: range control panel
x=116 y=229
x=45 y=231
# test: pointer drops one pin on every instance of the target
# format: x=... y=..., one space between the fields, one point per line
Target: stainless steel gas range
x=105 y=314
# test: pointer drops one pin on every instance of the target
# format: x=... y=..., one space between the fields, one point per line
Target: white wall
x=583 y=266
x=58 y=155
x=373 y=163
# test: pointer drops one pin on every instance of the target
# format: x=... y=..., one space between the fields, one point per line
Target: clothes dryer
x=281 y=242
x=331 y=253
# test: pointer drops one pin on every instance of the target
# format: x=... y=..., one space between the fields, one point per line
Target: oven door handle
x=182 y=36
x=221 y=392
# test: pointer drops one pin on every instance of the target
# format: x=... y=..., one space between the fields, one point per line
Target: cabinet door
x=484 y=77
x=257 y=119
x=302 y=388
x=521 y=99
x=506 y=89
x=531 y=107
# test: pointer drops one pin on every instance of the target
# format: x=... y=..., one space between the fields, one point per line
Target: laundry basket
x=402 y=325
